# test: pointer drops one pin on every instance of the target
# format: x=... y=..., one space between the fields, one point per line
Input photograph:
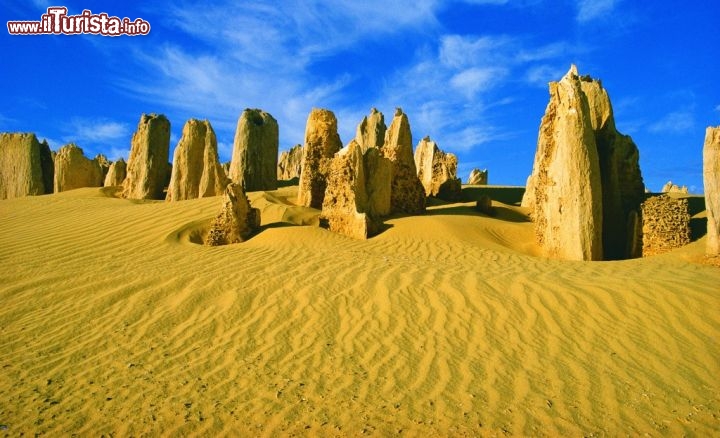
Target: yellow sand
x=112 y=321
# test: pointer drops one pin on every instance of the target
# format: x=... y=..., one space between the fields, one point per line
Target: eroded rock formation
x=147 y=166
x=564 y=190
x=358 y=192
x=371 y=130
x=196 y=171
x=669 y=187
x=290 y=163
x=665 y=224
x=23 y=166
x=622 y=183
x=408 y=193
x=711 y=180
x=74 y=170
x=321 y=143
x=586 y=183
x=255 y=151
x=104 y=165
x=116 y=173
x=437 y=171
x=236 y=221
x=478 y=177
x=47 y=163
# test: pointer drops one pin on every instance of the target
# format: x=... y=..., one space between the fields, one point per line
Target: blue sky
x=471 y=74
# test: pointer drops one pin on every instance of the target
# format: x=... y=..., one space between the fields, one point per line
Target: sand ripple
x=112 y=322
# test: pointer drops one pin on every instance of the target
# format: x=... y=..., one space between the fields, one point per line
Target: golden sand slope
x=113 y=322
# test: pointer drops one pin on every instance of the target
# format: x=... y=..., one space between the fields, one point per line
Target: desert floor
x=114 y=321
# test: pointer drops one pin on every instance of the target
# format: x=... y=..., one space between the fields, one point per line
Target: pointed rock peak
x=426 y=138
x=373 y=110
x=573 y=72
x=398 y=111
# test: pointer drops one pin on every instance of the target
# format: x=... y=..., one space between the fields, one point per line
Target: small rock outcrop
x=669 y=187
x=147 y=166
x=564 y=190
x=484 y=206
x=196 y=171
x=437 y=171
x=408 y=193
x=255 y=151
x=711 y=181
x=478 y=177
x=321 y=143
x=290 y=163
x=116 y=173
x=237 y=220
x=23 y=166
x=74 y=170
x=358 y=192
x=104 y=164
x=665 y=224
x=371 y=130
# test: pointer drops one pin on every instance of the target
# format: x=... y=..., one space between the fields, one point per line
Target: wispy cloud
x=271 y=56
x=589 y=10
x=264 y=55
x=674 y=122
x=5 y=121
x=449 y=94
x=541 y=75
x=100 y=130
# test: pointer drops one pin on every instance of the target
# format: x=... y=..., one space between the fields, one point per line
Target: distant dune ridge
x=196 y=170
x=147 y=166
x=711 y=179
x=255 y=151
x=586 y=181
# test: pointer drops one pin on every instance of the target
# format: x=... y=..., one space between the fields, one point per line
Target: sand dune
x=115 y=321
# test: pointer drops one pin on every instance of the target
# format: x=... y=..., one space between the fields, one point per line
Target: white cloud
x=97 y=131
x=457 y=51
x=54 y=143
x=4 y=121
x=266 y=55
x=472 y=80
x=674 y=122
x=717 y=108
x=541 y=75
x=589 y=10
x=42 y=4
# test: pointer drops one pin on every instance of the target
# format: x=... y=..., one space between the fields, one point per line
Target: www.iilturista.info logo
x=57 y=22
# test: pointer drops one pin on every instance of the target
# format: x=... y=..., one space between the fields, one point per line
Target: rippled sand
x=113 y=321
